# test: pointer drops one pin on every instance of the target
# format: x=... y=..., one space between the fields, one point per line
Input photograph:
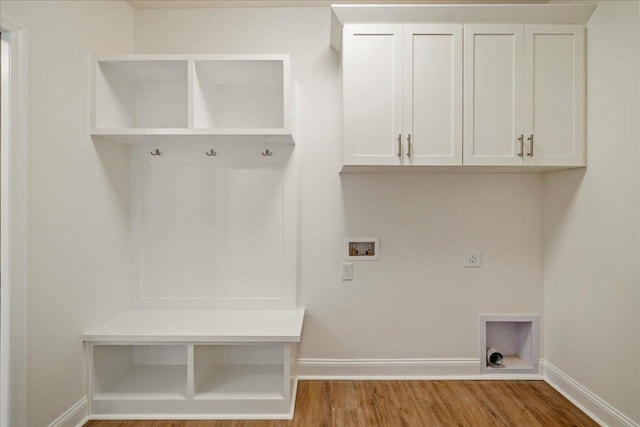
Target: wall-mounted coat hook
x=156 y=153
x=211 y=152
x=267 y=153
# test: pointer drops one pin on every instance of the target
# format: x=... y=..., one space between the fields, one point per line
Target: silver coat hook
x=211 y=152
x=156 y=153
x=267 y=153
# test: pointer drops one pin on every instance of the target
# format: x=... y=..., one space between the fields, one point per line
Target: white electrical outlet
x=472 y=258
x=347 y=271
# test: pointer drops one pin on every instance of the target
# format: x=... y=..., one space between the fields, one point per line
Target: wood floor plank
x=411 y=404
x=344 y=395
x=554 y=411
x=423 y=405
x=314 y=398
x=348 y=417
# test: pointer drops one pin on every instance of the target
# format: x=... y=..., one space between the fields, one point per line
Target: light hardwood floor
x=412 y=403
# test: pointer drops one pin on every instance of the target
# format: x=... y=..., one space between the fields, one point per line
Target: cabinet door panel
x=554 y=94
x=433 y=94
x=493 y=94
x=372 y=94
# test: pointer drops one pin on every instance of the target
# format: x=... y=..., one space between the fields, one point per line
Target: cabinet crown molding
x=558 y=13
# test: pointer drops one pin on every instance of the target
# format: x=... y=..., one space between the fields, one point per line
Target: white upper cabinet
x=433 y=95
x=372 y=94
x=554 y=95
x=200 y=98
x=463 y=87
x=402 y=94
x=524 y=92
x=493 y=95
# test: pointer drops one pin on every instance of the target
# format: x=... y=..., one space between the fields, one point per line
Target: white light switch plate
x=347 y=271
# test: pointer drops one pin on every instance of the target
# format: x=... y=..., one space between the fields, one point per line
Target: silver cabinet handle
x=521 y=139
x=409 y=145
x=530 y=139
x=399 y=145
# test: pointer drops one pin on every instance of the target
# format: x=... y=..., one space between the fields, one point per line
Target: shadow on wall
x=373 y=202
x=460 y=208
x=114 y=159
x=317 y=330
x=385 y=200
x=563 y=187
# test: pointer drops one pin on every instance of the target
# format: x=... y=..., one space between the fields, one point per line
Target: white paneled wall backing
x=215 y=231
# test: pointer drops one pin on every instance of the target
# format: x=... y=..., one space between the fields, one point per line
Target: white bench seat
x=232 y=326
x=194 y=364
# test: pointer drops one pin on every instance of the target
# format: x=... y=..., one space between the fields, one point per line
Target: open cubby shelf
x=140 y=372
x=147 y=372
x=138 y=94
x=243 y=382
x=239 y=371
x=238 y=94
x=149 y=382
x=150 y=98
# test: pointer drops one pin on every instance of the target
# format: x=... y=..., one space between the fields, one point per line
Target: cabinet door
x=492 y=94
x=433 y=94
x=372 y=94
x=554 y=78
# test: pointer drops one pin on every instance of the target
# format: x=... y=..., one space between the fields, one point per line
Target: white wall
x=77 y=196
x=591 y=218
x=417 y=301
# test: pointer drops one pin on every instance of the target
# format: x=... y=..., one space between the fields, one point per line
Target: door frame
x=13 y=212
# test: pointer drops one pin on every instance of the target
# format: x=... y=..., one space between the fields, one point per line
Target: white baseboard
x=411 y=369
x=194 y=417
x=75 y=416
x=592 y=405
x=400 y=369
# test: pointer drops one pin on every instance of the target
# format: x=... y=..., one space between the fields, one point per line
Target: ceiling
x=200 y=4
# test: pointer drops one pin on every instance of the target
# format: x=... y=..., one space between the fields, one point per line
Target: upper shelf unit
x=151 y=98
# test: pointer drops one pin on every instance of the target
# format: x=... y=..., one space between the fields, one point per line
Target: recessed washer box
x=361 y=248
x=516 y=337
